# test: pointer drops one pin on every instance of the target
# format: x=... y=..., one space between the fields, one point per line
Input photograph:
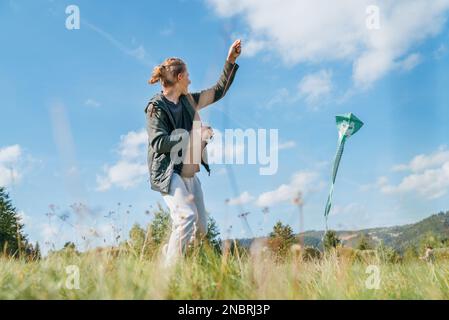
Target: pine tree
x=330 y=240
x=37 y=252
x=69 y=246
x=213 y=235
x=139 y=242
x=31 y=252
x=364 y=243
x=281 y=240
x=160 y=226
x=13 y=241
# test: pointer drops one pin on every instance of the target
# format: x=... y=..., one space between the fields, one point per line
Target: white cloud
x=24 y=218
x=440 y=52
x=252 y=47
x=106 y=231
x=244 y=198
x=131 y=167
x=411 y=61
x=169 y=29
x=287 y=145
x=316 y=86
x=123 y=174
x=92 y=103
x=316 y=31
x=423 y=161
x=349 y=209
x=133 y=144
x=429 y=176
x=10 y=154
x=380 y=182
x=9 y=160
x=304 y=181
x=139 y=53
x=431 y=184
x=48 y=232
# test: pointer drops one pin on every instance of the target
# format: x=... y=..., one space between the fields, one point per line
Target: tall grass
x=204 y=274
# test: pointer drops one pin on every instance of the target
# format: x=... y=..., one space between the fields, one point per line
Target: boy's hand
x=234 y=51
x=206 y=133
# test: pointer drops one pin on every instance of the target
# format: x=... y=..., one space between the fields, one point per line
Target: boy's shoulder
x=156 y=101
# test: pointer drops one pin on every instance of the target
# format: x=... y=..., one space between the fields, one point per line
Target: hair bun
x=156 y=75
x=167 y=71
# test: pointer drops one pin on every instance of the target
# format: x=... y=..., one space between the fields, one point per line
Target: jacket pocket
x=159 y=168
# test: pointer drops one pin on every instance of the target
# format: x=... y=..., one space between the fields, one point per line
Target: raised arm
x=208 y=96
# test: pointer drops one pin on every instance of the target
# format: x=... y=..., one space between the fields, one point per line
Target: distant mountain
x=398 y=237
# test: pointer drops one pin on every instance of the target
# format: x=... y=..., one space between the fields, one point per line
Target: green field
x=208 y=275
x=279 y=266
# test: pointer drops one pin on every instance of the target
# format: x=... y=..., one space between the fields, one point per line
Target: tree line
x=13 y=240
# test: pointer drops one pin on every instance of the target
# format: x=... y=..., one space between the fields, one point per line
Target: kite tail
x=328 y=204
x=338 y=155
x=341 y=147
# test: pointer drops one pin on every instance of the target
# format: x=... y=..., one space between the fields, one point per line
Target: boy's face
x=184 y=81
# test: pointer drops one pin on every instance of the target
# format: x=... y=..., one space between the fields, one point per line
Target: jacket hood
x=156 y=99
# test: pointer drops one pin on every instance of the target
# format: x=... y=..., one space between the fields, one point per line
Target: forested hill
x=399 y=237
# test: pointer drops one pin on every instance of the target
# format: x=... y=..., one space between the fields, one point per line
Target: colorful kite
x=347 y=125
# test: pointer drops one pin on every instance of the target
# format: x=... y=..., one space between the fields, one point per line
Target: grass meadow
x=207 y=274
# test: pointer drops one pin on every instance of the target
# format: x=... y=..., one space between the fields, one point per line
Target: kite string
x=229 y=168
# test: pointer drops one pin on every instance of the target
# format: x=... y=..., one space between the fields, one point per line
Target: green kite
x=347 y=125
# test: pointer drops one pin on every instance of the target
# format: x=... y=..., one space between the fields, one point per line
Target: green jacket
x=160 y=125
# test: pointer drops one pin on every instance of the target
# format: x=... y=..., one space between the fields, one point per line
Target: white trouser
x=188 y=214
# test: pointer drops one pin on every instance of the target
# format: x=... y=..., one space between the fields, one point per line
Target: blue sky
x=72 y=109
